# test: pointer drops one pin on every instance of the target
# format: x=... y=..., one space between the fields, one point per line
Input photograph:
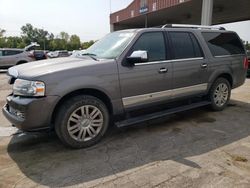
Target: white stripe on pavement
x=7 y=131
x=3 y=70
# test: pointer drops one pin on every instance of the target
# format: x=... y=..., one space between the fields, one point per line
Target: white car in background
x=78 y=53
x=59 y=53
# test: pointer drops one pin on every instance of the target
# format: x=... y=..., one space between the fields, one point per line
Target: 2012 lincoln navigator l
x=123 y=77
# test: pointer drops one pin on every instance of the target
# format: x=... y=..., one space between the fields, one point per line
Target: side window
x=185 y=45
x=197 y=49
x=223 y=43
x=1 y=53
x=11 y=52
x=154 y=44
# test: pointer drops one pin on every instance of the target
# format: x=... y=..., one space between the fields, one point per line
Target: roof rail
x=192 y=26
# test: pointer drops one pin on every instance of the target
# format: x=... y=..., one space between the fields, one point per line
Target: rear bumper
x=30 y=113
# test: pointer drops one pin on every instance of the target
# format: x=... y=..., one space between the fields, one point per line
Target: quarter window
x=185 y=45
x=223 y=43
x=154 y=44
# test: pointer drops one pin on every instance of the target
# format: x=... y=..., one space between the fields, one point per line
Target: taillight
x=245 y=63
x=31 y=54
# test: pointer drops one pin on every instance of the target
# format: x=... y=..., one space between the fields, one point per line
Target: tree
x=32 y=34
x=14 y=42
x=65 y=36
x=74 y=42
x=2 y=31
x=62 y=41
x=46 y=40
x=247 y=45
x=86 y=45
x=29 y=34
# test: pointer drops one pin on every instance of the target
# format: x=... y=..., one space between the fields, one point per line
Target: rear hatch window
x=223 y=44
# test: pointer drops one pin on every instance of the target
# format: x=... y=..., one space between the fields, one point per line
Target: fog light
x=16 y=113
x=20 y=114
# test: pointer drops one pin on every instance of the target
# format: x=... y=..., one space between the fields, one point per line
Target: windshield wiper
x=90 y=55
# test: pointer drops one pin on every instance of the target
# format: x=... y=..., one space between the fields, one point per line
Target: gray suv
x=128 y=77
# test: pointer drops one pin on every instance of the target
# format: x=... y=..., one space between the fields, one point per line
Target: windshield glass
x=111 y=46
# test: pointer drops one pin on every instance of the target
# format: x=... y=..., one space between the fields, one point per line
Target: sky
x=87 y=19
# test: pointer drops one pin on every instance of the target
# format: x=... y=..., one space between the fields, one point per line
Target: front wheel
x=82 y=121
x=220 y=93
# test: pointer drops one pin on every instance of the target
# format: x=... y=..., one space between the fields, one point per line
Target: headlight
x=28 y=88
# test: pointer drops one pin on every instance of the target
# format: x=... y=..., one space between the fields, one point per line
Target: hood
x=40 y=68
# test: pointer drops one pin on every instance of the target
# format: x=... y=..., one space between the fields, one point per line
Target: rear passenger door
x=190 y=75
x=4 y=60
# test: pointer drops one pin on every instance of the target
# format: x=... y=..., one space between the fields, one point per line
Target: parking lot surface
x=198 y=148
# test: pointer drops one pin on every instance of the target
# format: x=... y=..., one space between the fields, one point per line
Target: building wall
x=137 y=8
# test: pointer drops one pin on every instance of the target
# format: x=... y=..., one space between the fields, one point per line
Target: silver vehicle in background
x=11 y=56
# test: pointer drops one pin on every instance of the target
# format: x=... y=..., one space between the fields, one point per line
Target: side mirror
x=138 y=57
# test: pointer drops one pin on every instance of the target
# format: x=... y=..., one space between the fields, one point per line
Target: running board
x=163 y=113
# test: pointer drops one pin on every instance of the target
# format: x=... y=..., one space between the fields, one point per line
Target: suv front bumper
x=30 y=113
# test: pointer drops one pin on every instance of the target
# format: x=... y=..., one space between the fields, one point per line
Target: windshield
x=111 y=46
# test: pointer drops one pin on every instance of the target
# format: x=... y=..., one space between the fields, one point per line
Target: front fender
x=84 y=82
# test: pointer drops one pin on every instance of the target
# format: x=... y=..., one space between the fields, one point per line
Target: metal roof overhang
x=225 y=11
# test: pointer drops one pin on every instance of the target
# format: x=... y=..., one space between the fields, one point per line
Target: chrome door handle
x=204 y=65
x=163 y=70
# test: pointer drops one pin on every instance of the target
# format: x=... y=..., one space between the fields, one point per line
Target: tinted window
x=154 y=44
x=185 y=45
x=248 y=53
x=11 y=52
x=1 y=53
x=223 y=43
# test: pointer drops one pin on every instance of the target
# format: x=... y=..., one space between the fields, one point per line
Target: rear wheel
x=220 y=94
x=21 y=62
x=82 y=121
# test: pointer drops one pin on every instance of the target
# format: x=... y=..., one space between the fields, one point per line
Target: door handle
x=204 y=65
x=163 y=70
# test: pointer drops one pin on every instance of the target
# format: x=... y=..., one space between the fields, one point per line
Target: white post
x=112 y=28
x=207 y=12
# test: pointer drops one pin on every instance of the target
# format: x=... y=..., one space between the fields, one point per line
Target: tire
x=82 y=121
x=220 y=94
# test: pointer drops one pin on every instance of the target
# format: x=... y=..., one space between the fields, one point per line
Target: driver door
x=148 y=82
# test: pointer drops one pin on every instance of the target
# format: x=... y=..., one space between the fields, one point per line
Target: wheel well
x=226 y=76
x=92 y=92
x=21 y=62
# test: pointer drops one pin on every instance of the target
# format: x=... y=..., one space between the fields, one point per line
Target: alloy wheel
x=85 y=123
x=221 y=94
